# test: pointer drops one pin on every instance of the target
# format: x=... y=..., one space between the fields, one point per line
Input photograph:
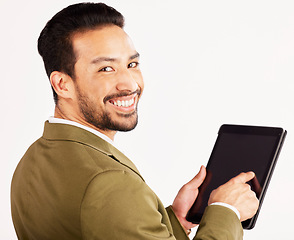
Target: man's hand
x=186 y=197
x=237 y=193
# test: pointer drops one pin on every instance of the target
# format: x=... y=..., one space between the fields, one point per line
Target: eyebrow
x=108 y=59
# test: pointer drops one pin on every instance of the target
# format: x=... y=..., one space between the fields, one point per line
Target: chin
x=127 y=128
x=125 y=123
x=124 y=127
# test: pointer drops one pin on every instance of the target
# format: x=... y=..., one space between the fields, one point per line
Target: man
x=73 y=183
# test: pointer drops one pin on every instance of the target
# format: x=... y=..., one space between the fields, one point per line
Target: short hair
x=55 y=40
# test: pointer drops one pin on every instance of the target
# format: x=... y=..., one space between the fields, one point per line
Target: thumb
x=198 y=179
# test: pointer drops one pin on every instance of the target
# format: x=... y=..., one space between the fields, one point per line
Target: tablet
x=239 y=149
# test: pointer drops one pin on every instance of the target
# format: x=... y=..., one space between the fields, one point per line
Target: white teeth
x=124 y=103
x=131 y=102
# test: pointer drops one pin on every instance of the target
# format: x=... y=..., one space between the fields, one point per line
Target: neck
x=63 y=115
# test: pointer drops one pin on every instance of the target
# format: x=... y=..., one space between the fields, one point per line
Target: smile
x=126 y=102
x=123 y=103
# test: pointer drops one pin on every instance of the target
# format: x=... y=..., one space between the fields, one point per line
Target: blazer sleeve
x=219 y=223
x=177 y=227
x=119 y=205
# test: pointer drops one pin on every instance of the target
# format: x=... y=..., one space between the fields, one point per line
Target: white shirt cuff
x=228 y=206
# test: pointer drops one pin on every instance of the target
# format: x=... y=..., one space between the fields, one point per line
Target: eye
x=133 y=65
x=106 y=69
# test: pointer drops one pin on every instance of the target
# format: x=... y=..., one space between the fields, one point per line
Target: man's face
x=108 y=81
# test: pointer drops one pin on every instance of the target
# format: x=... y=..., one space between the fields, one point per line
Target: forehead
x=108 y=41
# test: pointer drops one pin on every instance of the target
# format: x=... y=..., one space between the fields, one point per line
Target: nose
x=126 y=81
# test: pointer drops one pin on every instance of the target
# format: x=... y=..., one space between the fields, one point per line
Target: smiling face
x=107 y=82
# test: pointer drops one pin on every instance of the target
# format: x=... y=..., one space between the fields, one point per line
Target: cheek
x=92 y=94
x=139 y=80
x=98 y=94
x=99 y=87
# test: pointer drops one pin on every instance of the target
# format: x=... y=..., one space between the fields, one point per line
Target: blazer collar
x=58 y=131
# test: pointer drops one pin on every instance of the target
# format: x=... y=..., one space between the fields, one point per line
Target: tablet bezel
x=279 y=133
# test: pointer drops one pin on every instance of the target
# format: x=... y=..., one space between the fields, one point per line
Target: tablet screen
x=238 y=149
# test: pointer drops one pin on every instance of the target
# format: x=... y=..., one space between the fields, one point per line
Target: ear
x=62 y=84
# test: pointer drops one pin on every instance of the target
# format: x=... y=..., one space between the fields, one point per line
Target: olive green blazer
x=72 y=185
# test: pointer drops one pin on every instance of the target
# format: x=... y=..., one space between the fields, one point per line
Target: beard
x=104 y=120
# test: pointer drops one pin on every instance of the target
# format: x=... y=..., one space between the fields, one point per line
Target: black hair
x=55 y=43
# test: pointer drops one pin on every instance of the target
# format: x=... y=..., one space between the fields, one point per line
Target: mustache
x=122 y=94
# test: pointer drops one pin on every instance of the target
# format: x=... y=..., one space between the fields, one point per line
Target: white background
x=205 y=63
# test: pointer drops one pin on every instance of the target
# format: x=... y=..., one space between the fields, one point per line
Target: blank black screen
x=233 y=154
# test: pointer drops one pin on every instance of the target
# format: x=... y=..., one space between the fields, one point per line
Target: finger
x=198 y=179
x=244 y=177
